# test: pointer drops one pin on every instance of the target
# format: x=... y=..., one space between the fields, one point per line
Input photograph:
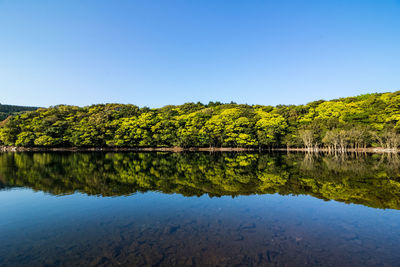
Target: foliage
x=8 y=110
x=353 y=122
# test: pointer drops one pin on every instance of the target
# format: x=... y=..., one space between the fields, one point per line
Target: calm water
x=200 y=209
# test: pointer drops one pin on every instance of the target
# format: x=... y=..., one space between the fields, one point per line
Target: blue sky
x=154 y=53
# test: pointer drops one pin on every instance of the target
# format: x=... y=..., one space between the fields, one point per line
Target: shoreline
x=124 y=149
x=377 y=150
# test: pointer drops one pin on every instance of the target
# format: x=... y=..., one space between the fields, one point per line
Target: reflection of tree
x=308 y=162
x=369 y=180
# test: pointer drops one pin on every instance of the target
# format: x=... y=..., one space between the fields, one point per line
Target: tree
x=307 y=136
x=270 y=128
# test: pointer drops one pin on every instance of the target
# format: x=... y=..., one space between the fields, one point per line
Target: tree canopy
x=352 y=122
x=8 y=110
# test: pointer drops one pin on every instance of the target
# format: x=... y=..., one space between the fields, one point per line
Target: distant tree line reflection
x=370 y=180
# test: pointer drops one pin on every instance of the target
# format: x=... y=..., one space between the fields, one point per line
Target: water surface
x=199 y=209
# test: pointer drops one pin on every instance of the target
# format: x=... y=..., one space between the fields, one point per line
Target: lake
x=199 y=209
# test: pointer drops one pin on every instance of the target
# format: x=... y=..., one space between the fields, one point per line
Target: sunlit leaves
x=354 y=121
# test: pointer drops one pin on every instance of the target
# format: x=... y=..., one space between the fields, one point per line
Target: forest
x=369 y=120
x=9 y=110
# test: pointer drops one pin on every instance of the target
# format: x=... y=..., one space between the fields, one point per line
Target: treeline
x=373 y=181
x=371 y=120
x=9 y=110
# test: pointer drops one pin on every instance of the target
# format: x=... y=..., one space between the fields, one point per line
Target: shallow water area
x=198 y=209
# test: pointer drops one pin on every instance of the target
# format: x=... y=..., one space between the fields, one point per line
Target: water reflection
x=370 y=180
x=198 y=209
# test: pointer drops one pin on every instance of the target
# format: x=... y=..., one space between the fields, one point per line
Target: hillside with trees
x=370 y=120
x=9 y=110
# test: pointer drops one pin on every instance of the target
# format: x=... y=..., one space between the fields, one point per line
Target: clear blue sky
x=154 y=53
